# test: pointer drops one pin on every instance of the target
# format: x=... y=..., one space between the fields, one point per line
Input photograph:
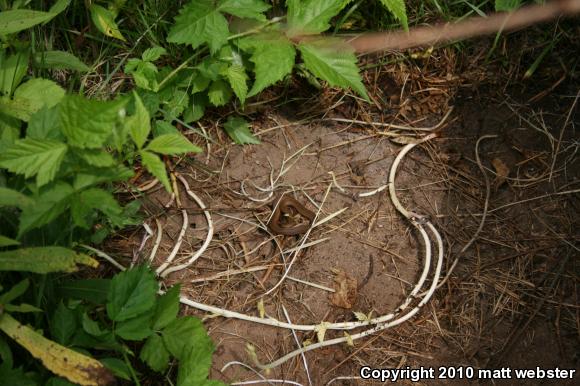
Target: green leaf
x=22 y=308
x=164 y=127
x=44 y=260
x=7 y=241
x=33 y=157
x=12 y=69
x=239 y=130
x=96 y=157
x=59 y=6
x=45 y=124
x=131 y=293
x=91 y=290
x=87 y=177
x=139 y=124
x=60 y=60
x=237 y=77
x=156 y=167
x=63 y=324
x=273 y=56
x=137 y=328
x=166 y=308
x=89 y=200
x=10 y=377
x=10 y=197
x=506 y=5
x=252 y=9
x=5 y=355
x=49 y=206
x=15 y=292
x=93 y=328
x=397 y=8
x=20 y=19
x=197 y=23
x=155 y=354
x=153 y=53
x=184 y=333
x=194 y=368
x=176 y=104
x=219 y=93
x=117 y=367
x=89 y=123
x=312 y=16
x=334 y=61
x=40 y=92
x=105 y=22
x=172 y=144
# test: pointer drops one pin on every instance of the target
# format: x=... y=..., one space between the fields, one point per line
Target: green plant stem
x=180 y=67
x=131 y=370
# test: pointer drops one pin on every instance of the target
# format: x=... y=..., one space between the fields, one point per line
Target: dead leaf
x=346 y=290
x=501 y=170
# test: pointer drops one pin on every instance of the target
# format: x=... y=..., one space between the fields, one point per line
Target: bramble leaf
x=11 y=197
x=49 y=206
x=34 y=157
x=89 y=123
x=334 y=61
x=131 y=293
x=45 y=124
x=219 y=93
x=140 y=123
x=40 y=92
x=197 y=23
x=312 y=16
x=137 y=328
x=397 y=8
x=156 y=167
x=153 y=53
x=172 y=144
x=253 y=9
x=184 y=333
x=237 y=77
x=155 y=354
x=239 y=130
x=273 y=56
x=63 y=324
x=166 y=308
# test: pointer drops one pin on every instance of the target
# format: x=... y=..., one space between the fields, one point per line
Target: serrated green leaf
x=49 y=206
x=89 y=123
x=155 y=354
x=44 y=260
x=506 y=5
x=87 y=177
x=237 y=77
x=63 y=324
x=166 y=308
x=219 y=93
x=139 y=124
x=20 y=19
x=137 y=328
x=117 y=367
x=334 y=61
x=60 y=60
x=175 y=105
x=11 y=197
x=98 y=158
x=197 y=23
x=45 y=124
x=40 y=92
x=155 y=166
x=95 y=198
x=239 y=131
x=131 y=293
x=33 y=157
x=15 y=292
x=153 y=53
x=273 y=56
x=312 y=16
x=7 y=241
x=397 y=8
x=194 y=368
x=105 y=22
x=171 y=144
x=184 y=333
x=252 y=9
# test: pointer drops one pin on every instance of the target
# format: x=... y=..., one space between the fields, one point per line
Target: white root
x=177 y=244
x=208 y=238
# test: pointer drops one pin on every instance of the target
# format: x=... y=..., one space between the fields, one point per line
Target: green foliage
x=239 y=130
x=506 y=5
x=397 y=8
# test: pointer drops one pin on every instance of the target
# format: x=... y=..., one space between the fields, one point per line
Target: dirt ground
x=508 y=301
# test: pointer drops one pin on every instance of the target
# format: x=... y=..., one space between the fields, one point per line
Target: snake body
x=289 y=207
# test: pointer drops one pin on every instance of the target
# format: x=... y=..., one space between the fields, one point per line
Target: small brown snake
x=289 y=207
